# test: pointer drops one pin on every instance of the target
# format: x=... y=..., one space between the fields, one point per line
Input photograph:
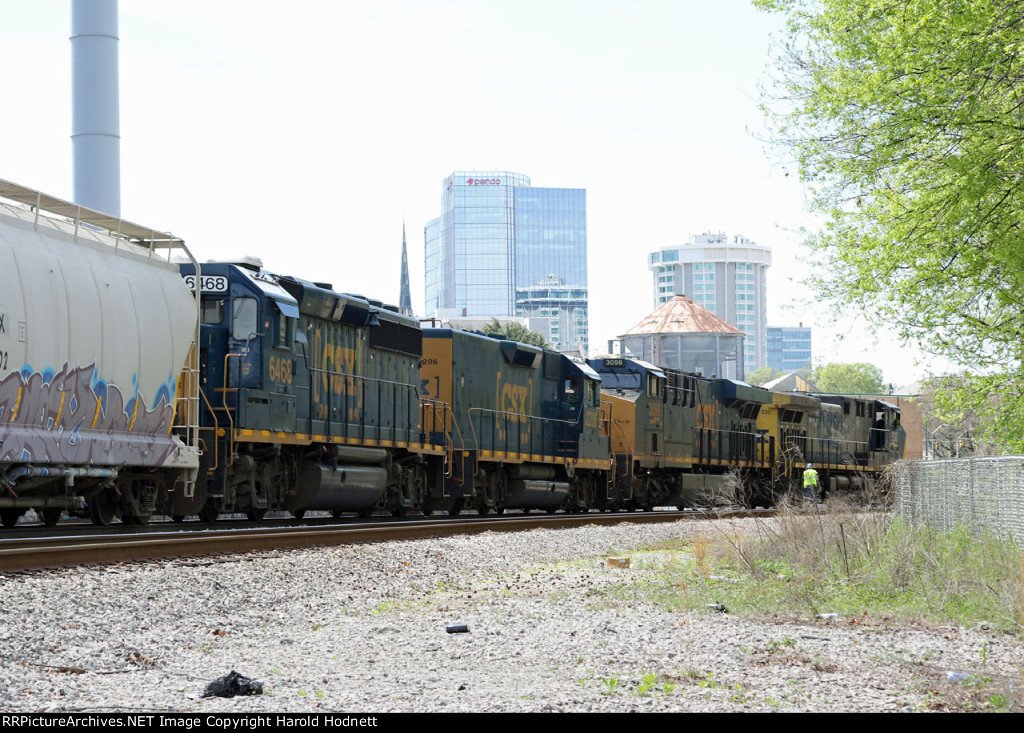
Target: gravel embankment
x=362 y=629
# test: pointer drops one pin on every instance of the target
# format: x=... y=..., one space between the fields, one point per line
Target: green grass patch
x=848 y=564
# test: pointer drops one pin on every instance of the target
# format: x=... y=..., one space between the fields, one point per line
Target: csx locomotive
x=131 y=386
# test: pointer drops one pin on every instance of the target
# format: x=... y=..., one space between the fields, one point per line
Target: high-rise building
x=725 y=277
x=789 y=347
x=565 y=309
x=503 y=248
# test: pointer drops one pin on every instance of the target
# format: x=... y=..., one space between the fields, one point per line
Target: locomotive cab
x=247 y=346
x=580 y=411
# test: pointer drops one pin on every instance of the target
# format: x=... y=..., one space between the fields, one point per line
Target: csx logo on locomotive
x=514 y=400
x=513 y=408
x=337 y=367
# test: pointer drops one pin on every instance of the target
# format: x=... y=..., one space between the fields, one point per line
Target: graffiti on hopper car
x=72 y=416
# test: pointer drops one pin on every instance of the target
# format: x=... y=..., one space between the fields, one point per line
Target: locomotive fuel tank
x=348 y=479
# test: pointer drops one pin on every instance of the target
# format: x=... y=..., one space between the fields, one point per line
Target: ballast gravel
x=362 y=628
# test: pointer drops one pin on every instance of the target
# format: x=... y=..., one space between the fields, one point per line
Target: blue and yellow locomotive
x=310 y=398
x=523 y=423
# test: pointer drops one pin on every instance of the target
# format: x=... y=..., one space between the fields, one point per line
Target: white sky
x=305 y=132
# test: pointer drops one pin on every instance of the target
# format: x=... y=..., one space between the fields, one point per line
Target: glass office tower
x=499 y=241
x=789 y=347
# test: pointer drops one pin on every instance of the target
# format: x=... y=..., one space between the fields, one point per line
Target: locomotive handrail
x=737 y=457
x=518 y=417
x=688 y=391
x=883 y=444
x=429 y=425
x=412 y=389
x=630 y=448
x=838 y=453
x=227 y=410
x=446 y=408
x=216 y=426
x=605 y=423
x=449 y=444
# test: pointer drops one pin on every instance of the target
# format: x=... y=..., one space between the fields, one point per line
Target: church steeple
x=405 y=296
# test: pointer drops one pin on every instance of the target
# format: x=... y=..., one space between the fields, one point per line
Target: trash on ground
x=617 y=562
x=827 y=615
x=457 y=628
x=956 y=676
x=717 y=608
x=233 y=684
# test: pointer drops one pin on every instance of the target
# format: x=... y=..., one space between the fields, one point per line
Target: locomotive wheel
x=456 y=508
x=209 y=511
x=178 y=518
x=9 y=517
x=365 y=513
x=50 y=517
x=102 y=509
x=399 y=511
x=137 y=519
x=499 y=510
x=255 y=515
x=483 y=510
x=299 y=513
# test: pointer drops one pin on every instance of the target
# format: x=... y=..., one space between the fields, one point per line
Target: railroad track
x=69 y=551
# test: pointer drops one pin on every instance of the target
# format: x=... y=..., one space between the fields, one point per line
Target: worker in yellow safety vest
x=810 y=483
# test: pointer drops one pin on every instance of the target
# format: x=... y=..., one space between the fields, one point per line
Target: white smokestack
x=95 y=125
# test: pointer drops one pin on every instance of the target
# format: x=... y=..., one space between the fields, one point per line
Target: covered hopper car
x=96 y=328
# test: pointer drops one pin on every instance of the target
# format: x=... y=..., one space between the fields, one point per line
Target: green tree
x=906 y=118
x=515 y=332
x=762 y=375
x=849 y=379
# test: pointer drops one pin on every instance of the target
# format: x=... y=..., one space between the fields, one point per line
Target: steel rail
x=60 y=552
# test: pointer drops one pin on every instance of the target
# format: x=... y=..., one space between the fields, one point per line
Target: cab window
x=282 y=334
x=212 y=312
x=244 y=320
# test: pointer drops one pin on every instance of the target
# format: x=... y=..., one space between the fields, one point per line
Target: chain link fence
x=983 y=494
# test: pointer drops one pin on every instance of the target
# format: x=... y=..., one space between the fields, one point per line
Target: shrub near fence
x=986 y=495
